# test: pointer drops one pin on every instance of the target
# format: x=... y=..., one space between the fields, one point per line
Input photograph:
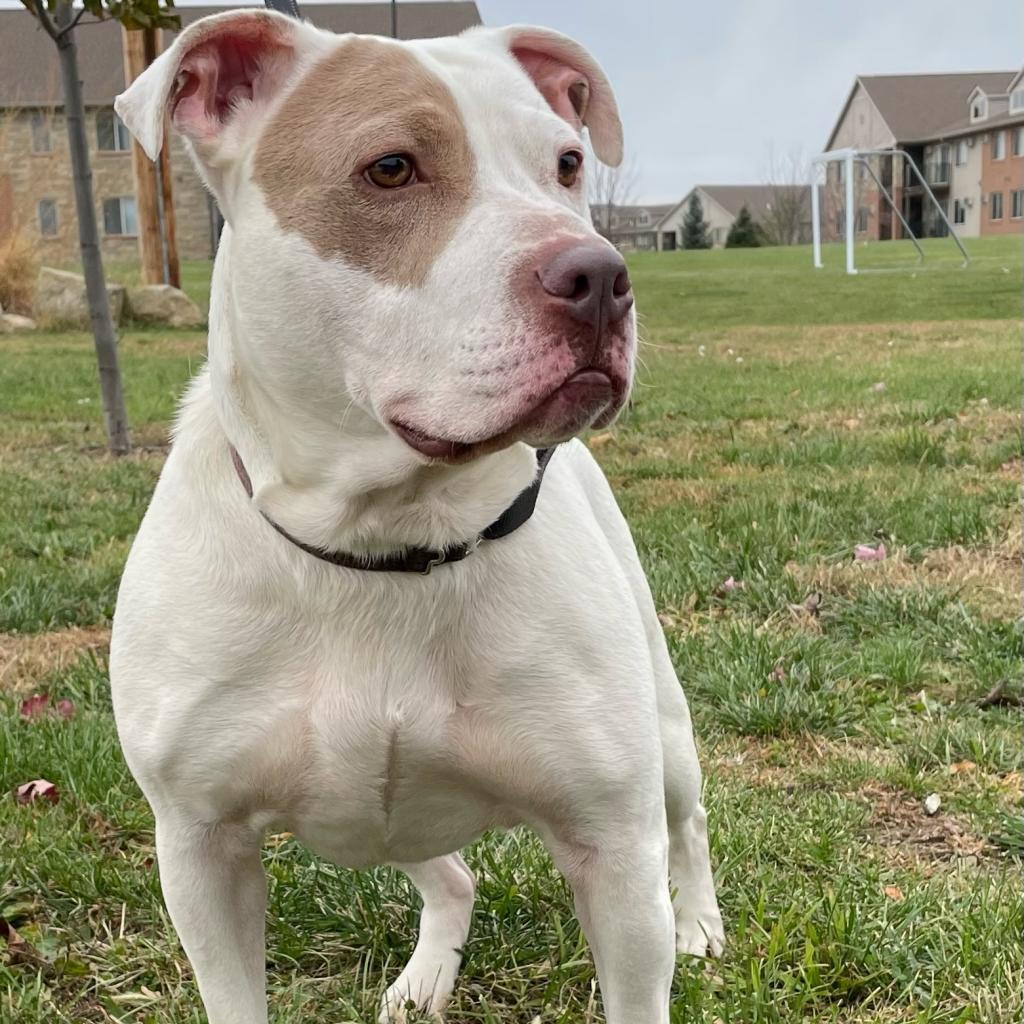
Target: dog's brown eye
x=569 y=168
x=392 y=171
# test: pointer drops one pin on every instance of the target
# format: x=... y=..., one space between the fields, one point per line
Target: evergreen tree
x=744 y=233
x=695 y=227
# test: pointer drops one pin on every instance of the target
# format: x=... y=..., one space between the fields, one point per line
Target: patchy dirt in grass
x=798 y=760
x=28 y=659
x=898 y=823
x=988 y=579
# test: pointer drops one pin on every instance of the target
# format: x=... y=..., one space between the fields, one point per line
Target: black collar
x=420 y=560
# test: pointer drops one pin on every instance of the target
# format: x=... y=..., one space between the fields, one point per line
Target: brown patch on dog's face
x=365 y=101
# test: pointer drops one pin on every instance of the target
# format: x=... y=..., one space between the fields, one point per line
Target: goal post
x=848 y=159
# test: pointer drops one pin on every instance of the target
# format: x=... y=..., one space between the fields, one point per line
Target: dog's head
x=409 y=223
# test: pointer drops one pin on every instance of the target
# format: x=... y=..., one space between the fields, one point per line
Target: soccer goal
x=860 y=160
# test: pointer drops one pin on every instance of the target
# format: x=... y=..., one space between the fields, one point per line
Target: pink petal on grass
x=65 y=708
x=37 y=789
x=777 y=674
x=727 y=586
x=866 y=553
x=35 y=706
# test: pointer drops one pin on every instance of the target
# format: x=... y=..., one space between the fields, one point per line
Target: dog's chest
x=378 y=762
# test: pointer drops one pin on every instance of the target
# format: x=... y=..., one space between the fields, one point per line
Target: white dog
x=409 y=300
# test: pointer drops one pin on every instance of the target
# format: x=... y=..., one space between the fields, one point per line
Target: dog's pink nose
x=589 y=281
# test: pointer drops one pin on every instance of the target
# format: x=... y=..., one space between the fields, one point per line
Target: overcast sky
x=706 y=90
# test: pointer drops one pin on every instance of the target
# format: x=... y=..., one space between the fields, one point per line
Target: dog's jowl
x=351 y=611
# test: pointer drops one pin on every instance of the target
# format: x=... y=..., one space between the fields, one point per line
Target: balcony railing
x=937 y=172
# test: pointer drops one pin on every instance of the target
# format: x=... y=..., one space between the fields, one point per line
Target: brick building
x=964 y=131
x=35 y=171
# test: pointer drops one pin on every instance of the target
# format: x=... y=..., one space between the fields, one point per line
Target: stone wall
x=26 y=177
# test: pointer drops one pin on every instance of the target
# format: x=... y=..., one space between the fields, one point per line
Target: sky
x=710 y=92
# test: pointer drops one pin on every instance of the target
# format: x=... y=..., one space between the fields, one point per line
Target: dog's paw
x=418 y=992
x=700 y=934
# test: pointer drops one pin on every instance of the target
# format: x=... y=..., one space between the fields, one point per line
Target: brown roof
x=29 y=76
x=917 y=107
x=756 y=198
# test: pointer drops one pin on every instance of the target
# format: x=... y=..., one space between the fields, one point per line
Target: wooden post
x=169 y=252
x=147 y=186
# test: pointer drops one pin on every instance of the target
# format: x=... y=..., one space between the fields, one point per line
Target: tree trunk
x=88 y=238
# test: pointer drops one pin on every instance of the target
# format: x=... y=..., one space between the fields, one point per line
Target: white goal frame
x=861 y=157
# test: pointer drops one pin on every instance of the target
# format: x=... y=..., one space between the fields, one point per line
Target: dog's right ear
x=216 y=80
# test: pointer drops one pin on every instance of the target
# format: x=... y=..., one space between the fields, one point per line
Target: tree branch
x=36 y=7
x=67 y=28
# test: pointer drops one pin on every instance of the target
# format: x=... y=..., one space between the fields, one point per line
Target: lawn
x=782 y=418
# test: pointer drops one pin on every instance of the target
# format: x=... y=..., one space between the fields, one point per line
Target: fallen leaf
x=37 y=789
x=866 y=553
x=894 y=892
x=35 y=706
x=932 y=803
x=599 y=439
x=879 y=387
x=812 y=604
x=960 y=767
x=727 y=586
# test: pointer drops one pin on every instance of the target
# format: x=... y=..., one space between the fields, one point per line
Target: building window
x=1017 y=204
x=959 y=212
x=46 y=210
x=1017 y=100
x=119 y=216
x=111 y=134
x=996 y=206
x=41 y=141
x=1018 y=141
x=979 y=109
x=999 y=146
x=962 y=152
x=862 y=218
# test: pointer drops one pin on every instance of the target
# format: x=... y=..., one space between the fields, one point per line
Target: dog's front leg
x=216 y=893
x=623 y=904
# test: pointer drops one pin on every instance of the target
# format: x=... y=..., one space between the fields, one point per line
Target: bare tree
x=787 y=213
x=608 y=188
x=59 y=19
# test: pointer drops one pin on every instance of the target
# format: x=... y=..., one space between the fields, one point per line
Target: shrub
x=19 y=271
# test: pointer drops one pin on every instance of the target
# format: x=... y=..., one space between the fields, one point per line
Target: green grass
x=782 y=417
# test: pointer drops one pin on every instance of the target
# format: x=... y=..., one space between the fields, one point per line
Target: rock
x=61 y=299
x=163 y=304
x=12 y=322
x=932 y=803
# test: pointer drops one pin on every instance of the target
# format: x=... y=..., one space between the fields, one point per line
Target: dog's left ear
x=573 y=84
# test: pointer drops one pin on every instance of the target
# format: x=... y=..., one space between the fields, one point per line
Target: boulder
x=163 y=304
x=12 y=322
x=61 y=299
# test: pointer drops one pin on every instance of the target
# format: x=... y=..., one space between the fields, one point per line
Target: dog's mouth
x=587 y=397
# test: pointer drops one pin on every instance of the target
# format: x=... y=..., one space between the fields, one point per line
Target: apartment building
x=965 y=134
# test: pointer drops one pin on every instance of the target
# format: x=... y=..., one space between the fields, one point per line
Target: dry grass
x=27 y=660
x=988 y=579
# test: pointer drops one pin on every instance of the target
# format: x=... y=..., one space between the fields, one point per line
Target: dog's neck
x=351 y=485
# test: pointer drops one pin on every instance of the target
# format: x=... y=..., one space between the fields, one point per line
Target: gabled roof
x=30 y=76
x=916 y=107
x=757 y=199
